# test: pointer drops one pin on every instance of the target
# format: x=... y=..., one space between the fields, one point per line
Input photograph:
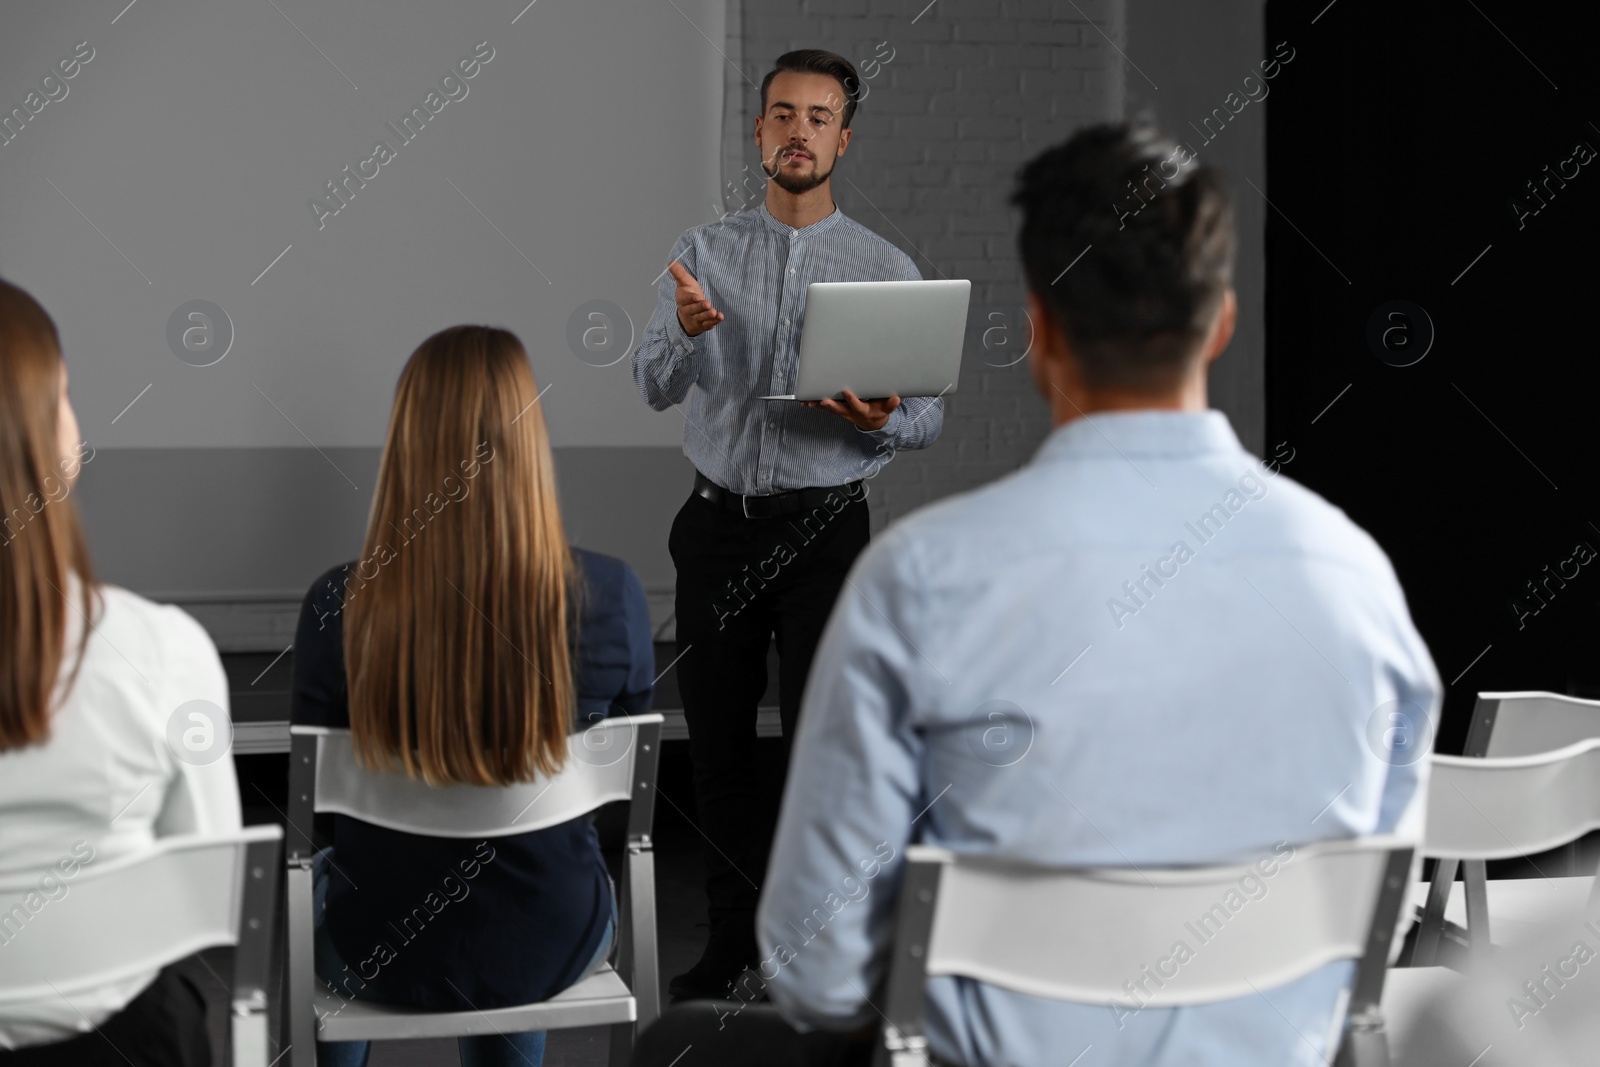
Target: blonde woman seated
x=99 y=752
x=464 y=646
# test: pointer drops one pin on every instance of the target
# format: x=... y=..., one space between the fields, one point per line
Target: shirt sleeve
x=914 y=424
x=854 y=789
x=639 y=693
x=667 y=361
x=318 y=695
x=614 y=659
x=1418 y=697
x=203 y=798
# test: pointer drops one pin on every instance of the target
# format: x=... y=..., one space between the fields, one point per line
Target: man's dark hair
x=1155 y=233
x=817 y=61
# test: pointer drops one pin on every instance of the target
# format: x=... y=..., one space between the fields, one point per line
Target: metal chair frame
x=594 y=1001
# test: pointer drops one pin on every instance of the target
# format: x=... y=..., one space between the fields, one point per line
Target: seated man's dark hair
x=1159 y=232
x=818 y=61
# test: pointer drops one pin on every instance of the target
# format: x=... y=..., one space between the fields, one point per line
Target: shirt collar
x=1141 y=433
x=785 y=230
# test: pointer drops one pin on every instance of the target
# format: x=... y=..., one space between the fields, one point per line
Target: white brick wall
x=974 y=89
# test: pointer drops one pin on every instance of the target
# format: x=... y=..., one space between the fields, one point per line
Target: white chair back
x=1083 y=934
x=1525 y=723
x=1484 y=809
x=599 y=769
x=1089 y=931
x=615 y=759
x=138 y=913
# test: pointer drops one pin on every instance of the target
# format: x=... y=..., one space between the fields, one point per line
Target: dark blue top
x=506 y=921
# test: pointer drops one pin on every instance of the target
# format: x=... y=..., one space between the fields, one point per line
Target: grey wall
x=184 y=158
x=970 y=90
x=155 y=524
x=1196 y=55
x=179 y=162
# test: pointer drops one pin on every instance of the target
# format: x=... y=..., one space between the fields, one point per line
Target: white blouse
x=108 y=781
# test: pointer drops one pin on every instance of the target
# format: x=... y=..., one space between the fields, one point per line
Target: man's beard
x=795 y=183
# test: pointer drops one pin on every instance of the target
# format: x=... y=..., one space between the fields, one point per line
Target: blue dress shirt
x=755 y=269
x=1144 y=648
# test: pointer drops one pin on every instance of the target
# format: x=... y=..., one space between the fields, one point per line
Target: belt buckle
x=744 y=502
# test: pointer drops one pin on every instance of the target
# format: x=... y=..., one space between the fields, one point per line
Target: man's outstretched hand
x=695 y=313
x=864 y=414
x=696 y=316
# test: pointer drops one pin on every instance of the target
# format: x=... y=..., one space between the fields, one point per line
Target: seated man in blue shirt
x=1144 y=648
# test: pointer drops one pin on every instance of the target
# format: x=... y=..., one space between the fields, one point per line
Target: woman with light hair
x=463 y=646
x=113 y=724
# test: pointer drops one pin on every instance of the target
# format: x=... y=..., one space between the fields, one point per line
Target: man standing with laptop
x=778 y=514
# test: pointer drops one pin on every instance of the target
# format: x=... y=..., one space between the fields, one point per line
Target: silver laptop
x=881 y=339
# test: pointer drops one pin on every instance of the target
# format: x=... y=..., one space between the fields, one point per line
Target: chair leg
x=645 y=976
x=1474 y=873
x=1425 y=951
x=299 y=1016
x=883 y=1056
x=1365 y=1043
x=249 y=1036
x=621 y=1044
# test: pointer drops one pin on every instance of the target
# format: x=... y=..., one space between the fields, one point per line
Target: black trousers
x=721 y=1033
x=741 y=583
x=164 y=1026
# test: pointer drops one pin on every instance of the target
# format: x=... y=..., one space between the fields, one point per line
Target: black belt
x=773 y=504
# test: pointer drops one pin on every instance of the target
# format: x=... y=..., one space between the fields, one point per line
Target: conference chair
x=139 y=913
x=1523 y=723
x=1519 y=723
x=1526 y=723
x=613 y=760
x=1481 y=809
x=1079 y=934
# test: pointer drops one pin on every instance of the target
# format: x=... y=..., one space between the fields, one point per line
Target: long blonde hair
x=457 y=617
x=43 y=542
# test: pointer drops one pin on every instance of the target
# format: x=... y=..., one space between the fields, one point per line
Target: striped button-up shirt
x=755 y=269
